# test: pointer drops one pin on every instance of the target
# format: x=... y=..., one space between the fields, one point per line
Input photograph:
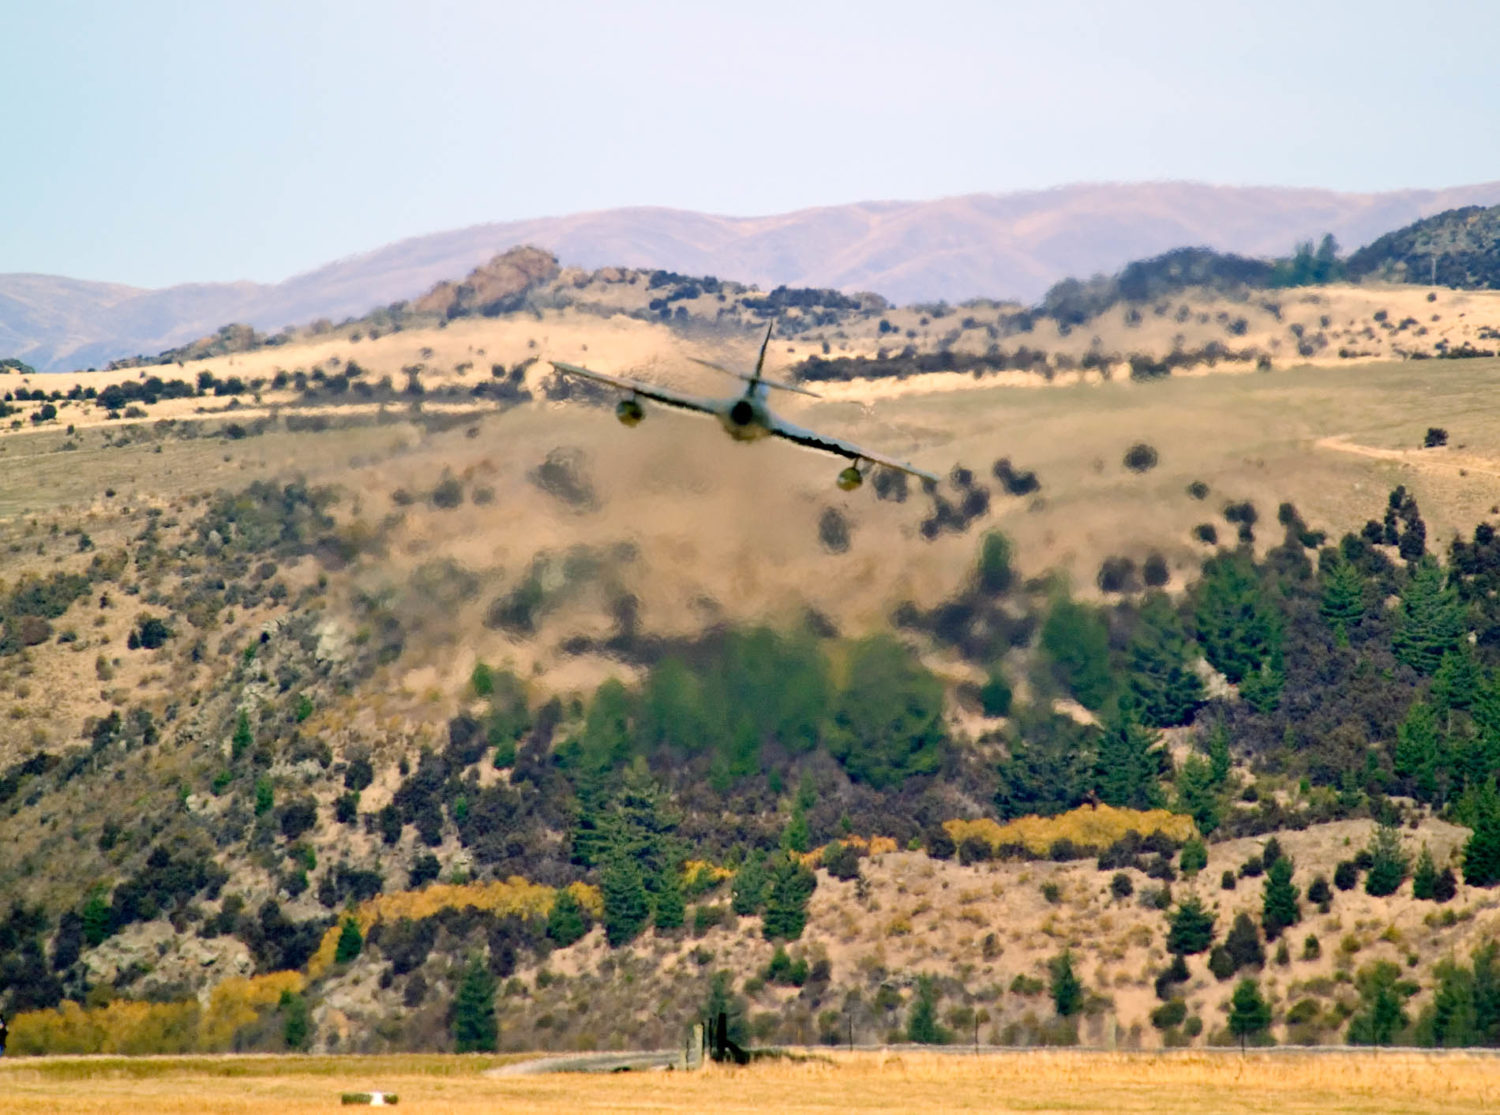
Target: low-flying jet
x=748 y=416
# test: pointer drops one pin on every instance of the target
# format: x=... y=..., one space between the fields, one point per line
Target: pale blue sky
x=152 y=142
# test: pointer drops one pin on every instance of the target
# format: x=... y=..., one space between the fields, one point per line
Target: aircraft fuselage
x=746 y=418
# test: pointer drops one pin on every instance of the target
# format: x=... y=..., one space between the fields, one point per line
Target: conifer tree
x=1196 y=793
x=922 y=1025
x=1430 y=621
x=1190 y=928
x=475 y=1029
x=243 y=737
x=1236 y=624
x=1279 y=906
x=1194 y=856
x=1424 y=876
x=1388 y=863
x=1487 y=992
x=351 y=942
x=627 y=905
x=1382 y=1014
x=1249 y=1013
x=296 y=1022
x=1261 y=688
x=1160 y=663
x=565 y=922
x=1451 y=1020
x=1219 y=758
x=791 y=885
x=1067 y=991
x=1126 y=772
x=1343 y=603
x=1320 y=893
x=1418 y=750
x=1458 y=680
x=670 y=908
x=796 y=837
x=1482 y=851
x=1243 y=944
x=748 y=889
x=1075 y=640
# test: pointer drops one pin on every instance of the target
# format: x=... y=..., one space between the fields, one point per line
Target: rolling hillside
x=1002 y=246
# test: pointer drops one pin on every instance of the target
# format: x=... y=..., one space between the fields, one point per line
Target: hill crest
x=1006 y=245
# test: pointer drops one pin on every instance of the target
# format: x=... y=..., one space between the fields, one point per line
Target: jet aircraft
x=747 y=416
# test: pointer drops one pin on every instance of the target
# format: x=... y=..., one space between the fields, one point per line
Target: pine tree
x=1430 y=621
x=1458 y=680
x=1319 y=893
x=791 y=885
x=351 y=942
x=1482 y=851
x=1424 y=877
x=1452 y=1020
x=796 y=836
x=922 y=1025
x=1418 y=750
x=670 y=907
x=475 y=1029
x=1075 y=640
x=1382 y=996
x=1159 y=659
x=1067 y=991
x=1279 y=906
x=1249 y=1013
x=748 y=889
x=1487 y=992
x=565 y=923
x=1194 y=856
x=1126 y=772
x=243 y=737
x=1190 y=928
x=1236 y=624
x=1243 y=944
x=627 y=905
x=1261 y=688
x=1196 y=793
x=1343 y=604
x=296 y=1023
x=1388 y=863
x=1219 y=758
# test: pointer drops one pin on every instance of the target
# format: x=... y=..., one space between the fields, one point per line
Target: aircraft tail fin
x=756 y=379
x=760 y=363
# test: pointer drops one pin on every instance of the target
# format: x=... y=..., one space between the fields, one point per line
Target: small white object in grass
x=373 y=1099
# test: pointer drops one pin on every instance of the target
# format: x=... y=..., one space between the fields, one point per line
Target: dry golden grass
x=1385 y=1082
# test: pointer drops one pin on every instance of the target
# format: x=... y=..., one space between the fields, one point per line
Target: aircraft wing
x=843 y=448
x=645 y=390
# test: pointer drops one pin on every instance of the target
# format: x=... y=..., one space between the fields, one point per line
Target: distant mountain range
x=996 y=245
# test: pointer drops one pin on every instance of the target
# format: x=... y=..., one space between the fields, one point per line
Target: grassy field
x=1288 y=1082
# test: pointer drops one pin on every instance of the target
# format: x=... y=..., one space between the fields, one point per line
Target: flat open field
x=1284 y=1082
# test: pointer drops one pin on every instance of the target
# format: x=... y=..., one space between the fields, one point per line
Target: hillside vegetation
x=379 y=693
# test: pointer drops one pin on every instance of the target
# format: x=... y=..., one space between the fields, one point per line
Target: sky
x=153 y=142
